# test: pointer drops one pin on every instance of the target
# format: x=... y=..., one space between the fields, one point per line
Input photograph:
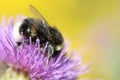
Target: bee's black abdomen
x=56 y=53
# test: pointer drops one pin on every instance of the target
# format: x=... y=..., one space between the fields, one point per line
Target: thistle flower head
x=30 y=60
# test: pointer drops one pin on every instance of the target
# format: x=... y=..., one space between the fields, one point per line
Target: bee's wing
x=3 y=68
x=37 y=13
x=39 y=16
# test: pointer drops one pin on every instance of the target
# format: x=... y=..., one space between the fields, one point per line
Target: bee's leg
x=50 y=52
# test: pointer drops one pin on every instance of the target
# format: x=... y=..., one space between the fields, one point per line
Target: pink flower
x=32 y=61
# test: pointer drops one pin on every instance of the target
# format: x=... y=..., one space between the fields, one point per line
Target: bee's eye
x=28 y=30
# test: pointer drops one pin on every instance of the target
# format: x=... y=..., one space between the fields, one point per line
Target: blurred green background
x=91 y=26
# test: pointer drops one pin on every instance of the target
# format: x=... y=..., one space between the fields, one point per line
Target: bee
x=39 y=28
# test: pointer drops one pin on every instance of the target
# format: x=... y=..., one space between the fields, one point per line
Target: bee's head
x=27 y=28
x=24 y=28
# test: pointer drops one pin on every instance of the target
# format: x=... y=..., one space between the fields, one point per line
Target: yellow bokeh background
x=91 y=26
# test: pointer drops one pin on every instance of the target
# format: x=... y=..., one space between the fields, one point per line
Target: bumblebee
x=39 y=28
